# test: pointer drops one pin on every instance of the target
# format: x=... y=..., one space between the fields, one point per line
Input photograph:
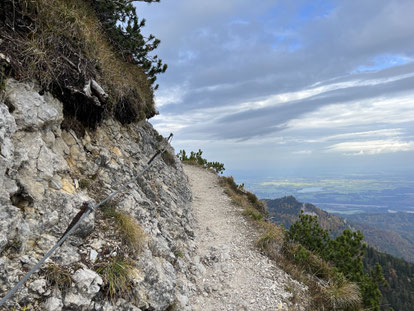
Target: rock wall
x=47 y=173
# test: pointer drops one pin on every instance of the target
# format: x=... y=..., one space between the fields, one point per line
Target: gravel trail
x=233 y=274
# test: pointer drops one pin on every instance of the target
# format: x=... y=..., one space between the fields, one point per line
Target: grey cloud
x=258 y=122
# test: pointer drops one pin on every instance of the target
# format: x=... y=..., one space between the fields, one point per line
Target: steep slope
x=134 y=256
x=392 y=233
x=233 y=274
x=398 y=273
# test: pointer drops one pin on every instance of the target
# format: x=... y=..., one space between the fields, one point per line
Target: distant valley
x=345 y=195
x=381 y=206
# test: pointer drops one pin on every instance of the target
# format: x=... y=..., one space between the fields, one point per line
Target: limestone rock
x=87 y=281
x=53 y=304
x=46 y=174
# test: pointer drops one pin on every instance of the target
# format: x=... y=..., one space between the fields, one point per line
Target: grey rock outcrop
x=47 y=173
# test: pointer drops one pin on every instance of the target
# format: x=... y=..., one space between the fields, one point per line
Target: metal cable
x=86 y=214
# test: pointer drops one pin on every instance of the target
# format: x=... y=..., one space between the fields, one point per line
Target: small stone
x=67 y=186
x=93 y=255
x=55 y=184
x=53 y=304
x=117 y=151
x=38 y=286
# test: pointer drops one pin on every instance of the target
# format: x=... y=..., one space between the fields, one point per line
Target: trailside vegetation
x=398 y=273
x=90 y=54
x=345 y=253
x=196 y=158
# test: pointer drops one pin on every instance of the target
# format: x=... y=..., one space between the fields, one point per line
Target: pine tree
x=120 y=20
x=345 y=252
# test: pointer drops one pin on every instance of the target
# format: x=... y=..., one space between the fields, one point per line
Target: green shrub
x=345 y=252
x=196 y=158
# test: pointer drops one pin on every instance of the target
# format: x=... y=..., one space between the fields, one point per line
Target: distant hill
x=285 y=211
x=392 y=233
x=398 y=272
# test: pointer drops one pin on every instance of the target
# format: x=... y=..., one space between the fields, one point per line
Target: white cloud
x=171 y=95
x=399 y=109
x=303 y=152
x=354 y=135
x=372 y=147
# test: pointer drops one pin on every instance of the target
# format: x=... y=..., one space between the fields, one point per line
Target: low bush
x=252 y=213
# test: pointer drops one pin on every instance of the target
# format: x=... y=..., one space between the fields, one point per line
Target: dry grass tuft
x=271 y=239
x=343 y=296
x=252 y=213
x=58 y=276
x=131 y=232
x=114 y=273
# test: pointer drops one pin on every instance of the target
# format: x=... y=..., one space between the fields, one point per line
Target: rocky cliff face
x=47 y=173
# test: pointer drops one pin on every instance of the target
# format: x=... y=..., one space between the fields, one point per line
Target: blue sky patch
x=383 y=61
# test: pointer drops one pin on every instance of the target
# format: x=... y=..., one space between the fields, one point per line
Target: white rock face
x=31 y=110
x=46 y=174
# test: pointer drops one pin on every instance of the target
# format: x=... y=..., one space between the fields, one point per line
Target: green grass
x=84 y=183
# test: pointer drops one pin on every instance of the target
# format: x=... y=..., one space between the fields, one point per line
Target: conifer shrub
x=196 y=158
x=345 y=253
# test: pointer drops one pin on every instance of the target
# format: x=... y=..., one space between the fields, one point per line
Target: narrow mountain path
x=234 y=275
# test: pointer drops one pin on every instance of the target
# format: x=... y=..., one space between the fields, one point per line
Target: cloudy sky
x=270 y=86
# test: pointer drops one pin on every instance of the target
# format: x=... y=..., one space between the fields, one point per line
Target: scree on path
x=234 y=275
